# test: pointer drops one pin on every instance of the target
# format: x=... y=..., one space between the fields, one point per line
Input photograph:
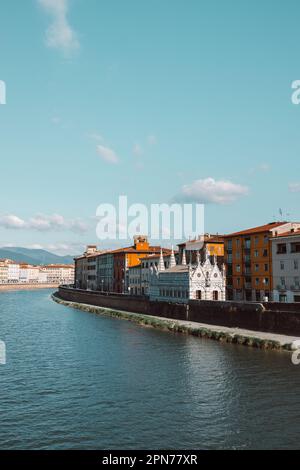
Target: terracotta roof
x=260 y=229
x=289 y=234
x=207 y=238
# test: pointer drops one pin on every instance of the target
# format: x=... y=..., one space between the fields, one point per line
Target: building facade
x=286 y=267
x=86 y=269
x=125 y=258
x=181 y=283
x=105 y=272
x=213 y=245
x=139 y=275
x=248 y=259
x=3 y=272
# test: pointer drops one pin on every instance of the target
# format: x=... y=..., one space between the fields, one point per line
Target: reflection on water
x=79 y=381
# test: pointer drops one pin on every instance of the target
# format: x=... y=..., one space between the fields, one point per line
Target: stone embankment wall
x=269 y=317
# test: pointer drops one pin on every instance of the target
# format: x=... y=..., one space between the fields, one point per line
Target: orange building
x=248 y=259
x=125 y=258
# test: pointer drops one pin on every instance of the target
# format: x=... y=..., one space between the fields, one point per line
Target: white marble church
x=181 y=283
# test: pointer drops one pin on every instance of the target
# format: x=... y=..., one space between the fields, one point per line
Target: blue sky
x=154 y=100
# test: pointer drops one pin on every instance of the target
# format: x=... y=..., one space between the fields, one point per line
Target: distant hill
x=37 y=257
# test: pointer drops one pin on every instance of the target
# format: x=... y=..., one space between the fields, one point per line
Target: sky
x=158 y=101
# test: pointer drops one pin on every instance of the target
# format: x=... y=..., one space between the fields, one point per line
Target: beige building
x=59 y=273
x=286 y=266
x=3 y=272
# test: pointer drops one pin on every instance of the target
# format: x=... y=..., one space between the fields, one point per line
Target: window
x=266 y=281
x=282 y=281
x=256 y=254
x=282 y=266
x=238 y=243
x=248 y=243
x=256 y=267
x=296 y=264
x=257 y=281
x=295 y=247
x=238 y=255
x=281 y=248
x=238 y=268
x=266 y=239
x=266 y=267
x=238 y=282
x=216 y=295
x=229 y=245
x=198 y=295
x=256 y=241
x=265 y=253
x=229 y=259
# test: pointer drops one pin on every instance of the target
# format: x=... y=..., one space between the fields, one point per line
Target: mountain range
x=35 y=257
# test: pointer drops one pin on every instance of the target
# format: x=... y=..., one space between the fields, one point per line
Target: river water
x=75 y=380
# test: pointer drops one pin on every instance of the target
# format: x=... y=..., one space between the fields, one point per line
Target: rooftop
x=290 y=233
x=260 y=229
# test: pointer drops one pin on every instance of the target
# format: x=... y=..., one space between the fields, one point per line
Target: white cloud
x=12 y=222
x=107 y=154
x=211 y=191
x=43 y=223
x=60 y=34
x=294 y=187
x=137 y=150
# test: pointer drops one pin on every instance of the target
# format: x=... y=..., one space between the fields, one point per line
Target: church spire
x=161 y=265
x=172 y=259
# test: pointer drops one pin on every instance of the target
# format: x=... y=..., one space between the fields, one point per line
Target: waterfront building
x=86 y=269
x=139 y=274
x=125 y=258
x=13 y=274
x=213 y=245
x=59 y=273
x=105 y=272
x=3 y=272
x=203 y=280
x=248 y=259
x=286 y=266
x=29 y=274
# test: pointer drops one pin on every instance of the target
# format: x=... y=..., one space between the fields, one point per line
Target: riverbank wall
x=15 y=287
x=260 y=340
x=278 y=318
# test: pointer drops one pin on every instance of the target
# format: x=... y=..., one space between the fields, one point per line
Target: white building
x=181 y=283
x=29 y=274
x=139 y=275
x=13 y=274
x=59 y=273
x=3 y=272
x=286 y=266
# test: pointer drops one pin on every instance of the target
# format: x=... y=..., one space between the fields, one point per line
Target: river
x=75 y=380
